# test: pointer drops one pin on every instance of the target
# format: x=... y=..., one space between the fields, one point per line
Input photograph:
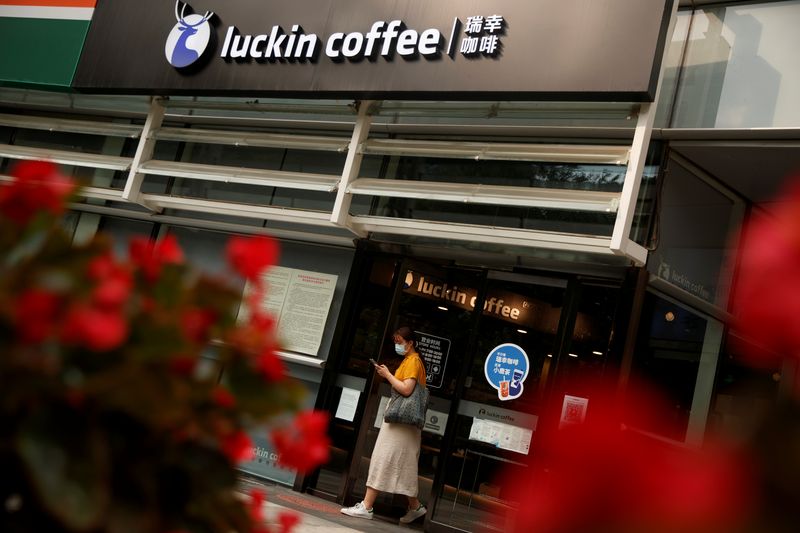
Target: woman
x=393 y=467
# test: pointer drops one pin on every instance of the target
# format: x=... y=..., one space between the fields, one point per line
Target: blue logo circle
x=506 y=368
x=189 y=38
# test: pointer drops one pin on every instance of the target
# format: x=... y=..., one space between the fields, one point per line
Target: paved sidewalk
x=318 y=515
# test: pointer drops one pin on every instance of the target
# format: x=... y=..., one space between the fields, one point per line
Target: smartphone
x=373 y=361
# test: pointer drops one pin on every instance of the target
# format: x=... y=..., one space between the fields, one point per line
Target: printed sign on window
x=434 y=351
x=506 y=368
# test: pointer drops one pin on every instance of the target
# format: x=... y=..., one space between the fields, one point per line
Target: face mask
x=400 y=349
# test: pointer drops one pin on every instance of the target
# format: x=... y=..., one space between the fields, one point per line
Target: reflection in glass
x=741 y=69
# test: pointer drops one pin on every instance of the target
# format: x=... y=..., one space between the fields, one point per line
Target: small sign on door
x=434 y=351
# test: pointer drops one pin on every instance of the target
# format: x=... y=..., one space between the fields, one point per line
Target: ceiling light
x=573 y=355
x=443 y=308
x=597 y=353
x=549 y=355
x=522 y=331
x=669 y=316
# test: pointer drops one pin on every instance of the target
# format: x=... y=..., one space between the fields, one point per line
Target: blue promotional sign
x=506 y=368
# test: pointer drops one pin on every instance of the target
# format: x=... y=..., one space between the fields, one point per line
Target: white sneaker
x=413 y=514
x=358 y=510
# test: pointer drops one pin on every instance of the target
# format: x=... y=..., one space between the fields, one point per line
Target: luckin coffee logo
x=189 y=38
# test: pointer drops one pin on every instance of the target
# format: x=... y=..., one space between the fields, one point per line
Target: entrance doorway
x=494 y=344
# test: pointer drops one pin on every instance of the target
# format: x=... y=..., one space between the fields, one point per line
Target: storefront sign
x=266 y=461
x=434 y=351
x=505 y=305
x=300 y=301
x=506 y=368
x=517 y=49
x=498 y=414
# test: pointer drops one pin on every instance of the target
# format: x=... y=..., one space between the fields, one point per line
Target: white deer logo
x=189 y=38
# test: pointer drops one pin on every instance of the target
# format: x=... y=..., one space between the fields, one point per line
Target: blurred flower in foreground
x=603 y=476
x=304 y=444
x=38 y=186
x=767 y=293
x=112 y=415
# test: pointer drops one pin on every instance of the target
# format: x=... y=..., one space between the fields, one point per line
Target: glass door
x=501 y=397
x=345 y=396
x=436 y=302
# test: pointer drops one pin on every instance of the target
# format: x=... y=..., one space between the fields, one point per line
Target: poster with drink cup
x=506 y=368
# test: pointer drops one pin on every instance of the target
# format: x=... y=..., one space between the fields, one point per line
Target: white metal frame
x=489 y=194
x=562 y=153
x=621 y=243
x=350 y=183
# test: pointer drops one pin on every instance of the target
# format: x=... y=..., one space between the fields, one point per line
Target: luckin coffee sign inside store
x=604 y=48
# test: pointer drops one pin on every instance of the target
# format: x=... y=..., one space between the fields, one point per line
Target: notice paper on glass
x=348 y=404
x=299 y=300
x=504 y=436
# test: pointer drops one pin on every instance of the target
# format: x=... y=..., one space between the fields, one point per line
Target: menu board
x=504 y=436
x=299 y=300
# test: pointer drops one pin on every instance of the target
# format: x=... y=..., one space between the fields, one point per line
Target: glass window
x=80 y=143
x=676 y=353
x=672 y=69
x=741 y=68
x=316 y=162
x=693 y=235
x=742 y=393
x=122 y=230
x=604 y=178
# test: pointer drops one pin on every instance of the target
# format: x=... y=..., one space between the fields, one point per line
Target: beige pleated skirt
x=394 y=462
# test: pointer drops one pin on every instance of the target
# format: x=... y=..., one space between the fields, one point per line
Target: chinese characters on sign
x=482 y=36
x=506 y=368
x=433 y=350
x=300 y=301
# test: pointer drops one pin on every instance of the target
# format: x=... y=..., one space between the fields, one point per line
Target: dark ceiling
x=754 y=169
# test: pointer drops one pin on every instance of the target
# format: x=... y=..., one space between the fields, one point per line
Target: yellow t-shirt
x=411 y=367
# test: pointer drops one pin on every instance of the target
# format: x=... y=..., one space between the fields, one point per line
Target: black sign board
x=433 y=351
x=443 y=49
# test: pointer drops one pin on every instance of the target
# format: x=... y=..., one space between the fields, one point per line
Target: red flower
x=112 y=293
x=37 y=186
x=101 y=267
x=36 y=314
x=255 y=335
x=223 y=397
x=600 y=476
x=288 y=521
x=766 y=303
x=304 y=445
x=196 y=324
x=114 y=282
x=99 y=330
x=270 y=366
x=237 y=446
x=151 y=256
x=256 y=504
x=251 y=255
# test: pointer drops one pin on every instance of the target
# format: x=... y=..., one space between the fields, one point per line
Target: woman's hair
x=407 y=333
